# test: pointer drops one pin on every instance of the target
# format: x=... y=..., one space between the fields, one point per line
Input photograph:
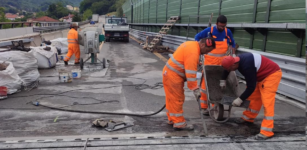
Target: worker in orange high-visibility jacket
x=181 y=67
x=223 y=37
x=262 y=78
x=73 y=44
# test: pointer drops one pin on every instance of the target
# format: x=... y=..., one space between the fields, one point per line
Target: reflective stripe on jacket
x=72 y=37
x=185 y=61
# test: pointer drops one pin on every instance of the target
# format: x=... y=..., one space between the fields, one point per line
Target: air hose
x=101 y=112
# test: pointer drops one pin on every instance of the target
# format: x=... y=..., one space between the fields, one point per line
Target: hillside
x=35 y=5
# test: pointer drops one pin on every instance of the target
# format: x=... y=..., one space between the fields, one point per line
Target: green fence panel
x=281 y=42
x=207 y=7
x=189 y=7
x=161 y=11
x=173 y=8
x=242 y=38
x=261 y=11
x=258 y=41
x=288 y=11
x=238 y=11
x=152 y=11
x=146 y=10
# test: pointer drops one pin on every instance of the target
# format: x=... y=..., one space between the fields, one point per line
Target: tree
x=87 y=14
x=40 y=14
x=76 y=18
x=119 y=9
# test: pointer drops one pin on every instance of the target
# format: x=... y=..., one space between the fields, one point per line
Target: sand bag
x=46 y=56
x=9 y=78
x=25 y=65
x=60 y=43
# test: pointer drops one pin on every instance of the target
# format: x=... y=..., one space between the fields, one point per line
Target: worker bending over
x=262 y=78
x=223 y=37
x=181 y=67
x=73 y=44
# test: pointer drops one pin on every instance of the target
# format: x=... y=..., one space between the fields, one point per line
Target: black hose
x=99 y=112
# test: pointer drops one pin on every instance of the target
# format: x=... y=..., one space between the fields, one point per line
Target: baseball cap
x=228 y=61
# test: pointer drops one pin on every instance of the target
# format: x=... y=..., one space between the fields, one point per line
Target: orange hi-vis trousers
x=264 y=94
x=209 y=60
x=174 y=97
x=73 y=49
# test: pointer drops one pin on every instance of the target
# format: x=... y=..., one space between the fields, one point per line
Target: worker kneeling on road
x=181 y=67
x=262 y=79
x=73 y=44
x=223 y=37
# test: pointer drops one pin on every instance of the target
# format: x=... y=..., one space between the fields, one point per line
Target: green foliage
x=101 y=7
x=40 y=14
x=76 y=18
x=35 y=5
x=87 y=14
x=57 y=10
x=119 y=9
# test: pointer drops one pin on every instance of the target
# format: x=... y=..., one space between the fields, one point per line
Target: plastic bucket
x=64 y=77
x=76 y=73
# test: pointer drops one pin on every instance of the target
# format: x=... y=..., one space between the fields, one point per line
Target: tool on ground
x=202 y=117
x=111 y=125
x=166 y=27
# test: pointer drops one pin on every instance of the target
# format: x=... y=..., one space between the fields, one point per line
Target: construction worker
x=181 y=67
x=73 y=44
x=223 y=37
x=262 y=78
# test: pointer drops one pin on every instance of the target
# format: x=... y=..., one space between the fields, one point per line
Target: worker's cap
x=74 y=25
x=228 y=61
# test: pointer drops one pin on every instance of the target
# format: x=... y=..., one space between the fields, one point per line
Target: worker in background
x=262 y=78
x=181 y=67
x=223 y=37
x=73 y=44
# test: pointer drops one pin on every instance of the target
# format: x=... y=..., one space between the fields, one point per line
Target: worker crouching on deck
x=262 y=79
x=73 y=44
x=181 y=67
x=223 y=37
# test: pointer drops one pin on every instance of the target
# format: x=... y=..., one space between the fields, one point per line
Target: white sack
x=10 y=79
x=60 y=43
x=45 y=59
x=25 y=65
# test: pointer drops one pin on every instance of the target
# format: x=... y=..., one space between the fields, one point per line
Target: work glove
x=197 y=93
x=234 y=55
x=223 y=84
x=237 y=102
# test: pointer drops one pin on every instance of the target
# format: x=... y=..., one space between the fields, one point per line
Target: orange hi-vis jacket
x=73 y=46
x=72 y=37
x=184 y=62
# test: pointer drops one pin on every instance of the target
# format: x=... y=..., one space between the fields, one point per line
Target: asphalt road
x=130 y=84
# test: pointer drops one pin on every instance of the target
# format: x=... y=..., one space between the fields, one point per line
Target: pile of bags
x=21 y=70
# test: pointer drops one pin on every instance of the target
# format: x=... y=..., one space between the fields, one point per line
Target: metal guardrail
x=237 y=25
x=293 y=83
x=57 y=27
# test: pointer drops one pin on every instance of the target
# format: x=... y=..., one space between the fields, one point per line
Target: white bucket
x=64 y=77
x=76 y=73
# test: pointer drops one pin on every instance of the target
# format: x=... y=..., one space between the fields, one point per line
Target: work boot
x=262 y=137
x=77 y=63
x=170 y=123
x=205 y=111
x=241 y=121
x=66 y=63
x=187 y=127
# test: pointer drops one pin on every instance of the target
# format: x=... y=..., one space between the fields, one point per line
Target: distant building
x=76 y=9
x=42 y=19
x=69 y=7
x=11 y=16
x=68 y=18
